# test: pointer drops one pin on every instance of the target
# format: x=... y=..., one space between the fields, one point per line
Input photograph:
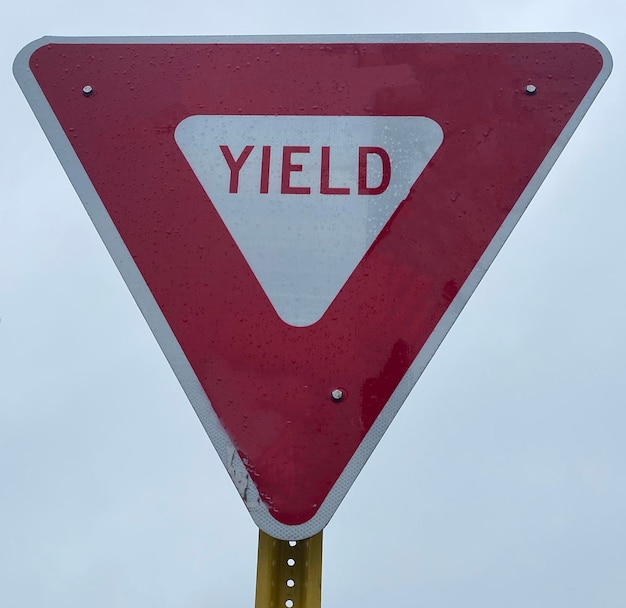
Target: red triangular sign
x=302 y=219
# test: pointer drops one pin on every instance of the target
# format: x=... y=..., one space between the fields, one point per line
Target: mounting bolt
x=87 y=90
x=531 y=89
x=337 y=395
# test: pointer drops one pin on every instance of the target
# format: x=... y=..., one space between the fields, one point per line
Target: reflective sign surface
x=302 y=219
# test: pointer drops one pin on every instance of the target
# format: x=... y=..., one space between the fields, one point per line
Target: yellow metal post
x=289 y=573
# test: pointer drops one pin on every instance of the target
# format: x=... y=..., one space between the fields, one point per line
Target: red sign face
x=301 y=220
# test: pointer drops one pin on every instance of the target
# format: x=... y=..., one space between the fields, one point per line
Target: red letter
x=265 y=170
x=325 y=187
x=386 y=172
x=235 y=165
x=288 y=168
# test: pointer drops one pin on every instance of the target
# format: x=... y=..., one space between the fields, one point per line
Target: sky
x=500 y=482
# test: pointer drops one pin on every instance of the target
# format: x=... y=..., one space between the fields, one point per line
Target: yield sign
x=302 y=219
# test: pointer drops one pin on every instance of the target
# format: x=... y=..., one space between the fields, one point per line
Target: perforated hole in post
x=291 y=562
x=289 y=603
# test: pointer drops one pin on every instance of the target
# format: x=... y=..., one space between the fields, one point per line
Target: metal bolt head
x=531 y=89
x=87 y=90
x=337 y=394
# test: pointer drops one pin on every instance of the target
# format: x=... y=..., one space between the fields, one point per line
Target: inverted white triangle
x=303 y=233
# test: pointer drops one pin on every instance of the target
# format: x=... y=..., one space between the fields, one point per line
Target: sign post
x=289 y=573
x=302 y=219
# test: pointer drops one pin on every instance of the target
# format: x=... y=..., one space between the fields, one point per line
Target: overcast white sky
x=500 y=483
